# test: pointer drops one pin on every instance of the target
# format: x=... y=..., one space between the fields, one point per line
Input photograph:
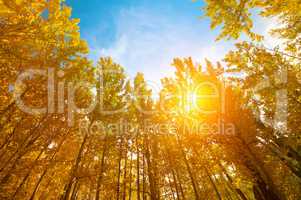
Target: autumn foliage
x=226 y=130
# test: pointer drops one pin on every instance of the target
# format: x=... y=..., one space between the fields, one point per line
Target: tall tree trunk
x=102 y=165
x=180 y=186
x=75 y=189
x=170 y=166
x=229 y=179
x=151 y=175
x=27 y=175
x=175 y=183
x=125 y=171
x=190 y=173
x=119 y=171
x=8 y=138
x=171 y=189
x=212 y=183
x=32 y=136
x=289 y=161
x=143 y=177
x=130 y=179
x=47 y=167
x=138 y=166
x=263 y=180
x=68 y=186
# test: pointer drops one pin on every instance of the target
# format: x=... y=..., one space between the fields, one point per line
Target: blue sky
x=145 y=35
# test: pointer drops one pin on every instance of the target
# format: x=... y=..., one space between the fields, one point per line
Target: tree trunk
x=263 y=181
x=47 y=167
x=229 y=179
x=125 y=171
x=151 y=176
x=119 y=171
x=102 y=165
x=138 y=167
x=27 y=175
x=130 y=179
x=74 y=169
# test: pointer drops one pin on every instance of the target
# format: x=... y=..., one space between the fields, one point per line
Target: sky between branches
x=145 y=35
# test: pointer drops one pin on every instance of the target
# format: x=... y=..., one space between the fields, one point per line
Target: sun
x=191 y=101
x=205 y=99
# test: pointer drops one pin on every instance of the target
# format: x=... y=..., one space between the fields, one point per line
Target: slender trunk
x=170 y=166
x=180 y=185
x=290 y=162
x=175 y=183
x=263 y=180
x=208 y=174
x=229 y=179
x=30 y=139
x=212 y=183
x=171 y=189
x=130 y=179
x=194 y=185
x=8 y=138
x=125 y=172
x=33 y=165
x=155 y=157
x=138 y=167
x=102 y=165
x=90 y=190
x=151 y=177
x=265 y=186
x=191 y=176
x=20 y=154
x=27 y=175
x=119 y=171
x=143 y=178
x=280 y=143
x=47 y=168
x=74 y=169
x=173 y=172
x=75 y=190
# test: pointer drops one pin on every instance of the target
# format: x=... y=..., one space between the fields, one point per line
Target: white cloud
x=264 y=26
x=148 y=41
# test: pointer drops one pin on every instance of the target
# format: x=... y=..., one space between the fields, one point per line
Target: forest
x=73 y=129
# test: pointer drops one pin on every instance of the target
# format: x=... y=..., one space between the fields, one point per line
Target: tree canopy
x=72 y=129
